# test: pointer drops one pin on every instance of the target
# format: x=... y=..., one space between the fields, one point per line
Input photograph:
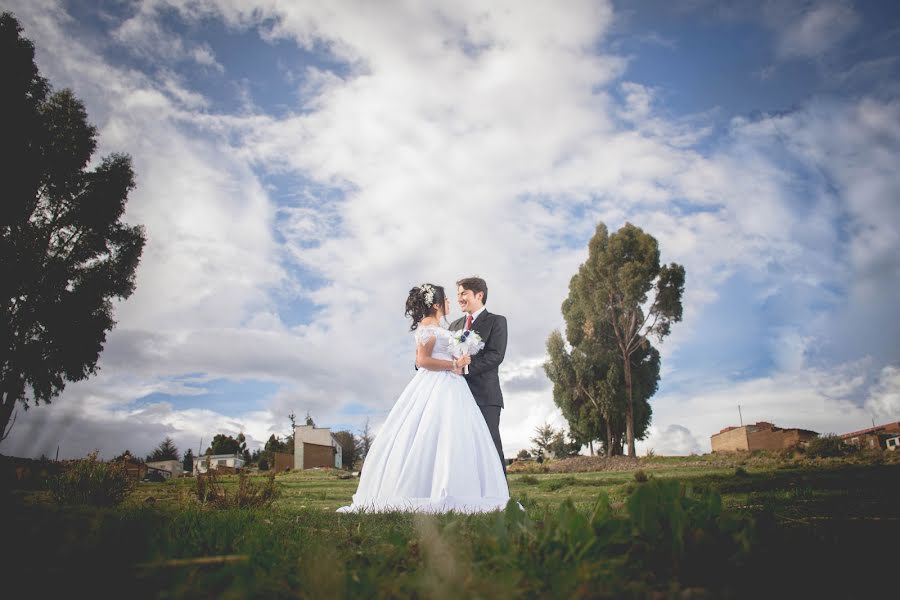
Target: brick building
x=873 y=437
x=759 y=436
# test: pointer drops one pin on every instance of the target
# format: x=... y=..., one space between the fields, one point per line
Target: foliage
x=523 y=453
x=569 y=542
x=188 y=463
x=225 y=444
x=65 y=253
x=242 y=449
x=543 y=437
x=827 y=446
x=350 y=448
x=213 y=493
x=263 y=464
x=609 y=369
x=91 y=481
x=167 y=450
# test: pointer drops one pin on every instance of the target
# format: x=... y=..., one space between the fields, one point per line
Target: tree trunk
x=6 y=411
x=609 y=439
x=591 y=447
x=629 y=409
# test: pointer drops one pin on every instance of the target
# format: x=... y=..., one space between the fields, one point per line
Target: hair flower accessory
x=428 y=290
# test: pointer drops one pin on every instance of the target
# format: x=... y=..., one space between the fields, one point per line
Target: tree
x=188 y=462
x=65 y=253
x=560 y=448
x=350 y=446
x=523 y=453
x=167 y=450
x=242 y=449
x=612 y=290
x=543 y=439
x=589 y=388
x=224 y=444
x=366 y=438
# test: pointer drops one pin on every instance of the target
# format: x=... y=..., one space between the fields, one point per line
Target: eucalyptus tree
x=619 y=299
x=65 y=253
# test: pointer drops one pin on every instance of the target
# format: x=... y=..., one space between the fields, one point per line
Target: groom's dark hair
x=474 y=285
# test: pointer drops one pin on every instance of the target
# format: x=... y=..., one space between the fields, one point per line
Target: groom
x=483 y=377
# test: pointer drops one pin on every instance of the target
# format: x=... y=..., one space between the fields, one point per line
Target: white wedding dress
x=434 y=453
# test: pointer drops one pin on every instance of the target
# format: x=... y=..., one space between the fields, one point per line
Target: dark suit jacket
x=484 y=376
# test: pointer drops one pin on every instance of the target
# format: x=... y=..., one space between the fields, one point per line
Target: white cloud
x=809 y=30
x=462 y=139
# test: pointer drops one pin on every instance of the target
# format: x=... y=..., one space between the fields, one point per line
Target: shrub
x=826 y=446
x=640 y=476
x=557 y=484
x=528 y=480
x=741 y=472
x=91 y=481
x=213 y=493
x=263 y=464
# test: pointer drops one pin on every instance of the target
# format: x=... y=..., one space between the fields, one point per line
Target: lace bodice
x=441 y=346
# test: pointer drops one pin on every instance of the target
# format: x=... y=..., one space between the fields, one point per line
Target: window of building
x=222 y=463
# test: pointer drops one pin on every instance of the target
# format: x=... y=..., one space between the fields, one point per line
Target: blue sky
x=300 y=167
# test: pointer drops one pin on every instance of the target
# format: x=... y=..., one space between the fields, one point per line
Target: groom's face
x=469 y=302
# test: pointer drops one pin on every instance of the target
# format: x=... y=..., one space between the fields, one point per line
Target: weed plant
x=91 y=481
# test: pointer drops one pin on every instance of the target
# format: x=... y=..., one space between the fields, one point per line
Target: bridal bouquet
x=464 y=343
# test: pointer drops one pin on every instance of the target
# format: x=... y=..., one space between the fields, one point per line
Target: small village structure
x=167 y=468
x=316 y=447
x=228 y=462
x=874 y=437
x=759 y=436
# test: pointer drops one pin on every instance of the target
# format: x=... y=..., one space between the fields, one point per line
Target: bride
x=434 y=452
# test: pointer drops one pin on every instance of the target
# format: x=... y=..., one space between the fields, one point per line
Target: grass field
x=696 y=527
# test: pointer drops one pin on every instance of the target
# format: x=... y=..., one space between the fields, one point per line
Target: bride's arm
x=424 y=360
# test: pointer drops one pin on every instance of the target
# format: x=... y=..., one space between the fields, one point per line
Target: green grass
x=813 y=525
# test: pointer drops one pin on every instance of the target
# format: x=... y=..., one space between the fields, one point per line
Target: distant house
x=216 y=461
x=168 y=468
x=316 y=447
x=759 y=436
x=892 y=443
x=873 y=437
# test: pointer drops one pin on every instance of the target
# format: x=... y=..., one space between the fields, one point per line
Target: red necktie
x=468 y=322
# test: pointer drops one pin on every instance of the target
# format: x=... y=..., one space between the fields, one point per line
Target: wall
x=315 y=455
x=730 y=441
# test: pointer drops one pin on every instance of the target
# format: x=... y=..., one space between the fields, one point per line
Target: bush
x=91 y=481
x=213 y=493
x=741 y=472
x=640 y=476
x=827 y=446
x=528 y=480
x=263 y=464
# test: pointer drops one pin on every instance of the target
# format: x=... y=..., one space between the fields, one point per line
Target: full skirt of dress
x=434 y=454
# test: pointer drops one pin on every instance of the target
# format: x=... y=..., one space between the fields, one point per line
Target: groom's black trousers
x=492 y=418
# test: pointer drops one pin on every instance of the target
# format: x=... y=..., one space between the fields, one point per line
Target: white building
x=316 y=447
x=214 y=461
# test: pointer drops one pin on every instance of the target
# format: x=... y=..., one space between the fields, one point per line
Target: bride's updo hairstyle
x=421 y=300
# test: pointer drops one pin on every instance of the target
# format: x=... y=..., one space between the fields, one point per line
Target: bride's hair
x=421 y=300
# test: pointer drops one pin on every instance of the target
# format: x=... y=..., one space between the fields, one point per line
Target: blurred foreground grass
x=695 y=528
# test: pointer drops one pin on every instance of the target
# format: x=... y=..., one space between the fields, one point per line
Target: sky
x=301 y=165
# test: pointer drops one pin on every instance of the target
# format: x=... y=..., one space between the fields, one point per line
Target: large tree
x=624 y=297
x=65 y=252
x=167 y=450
